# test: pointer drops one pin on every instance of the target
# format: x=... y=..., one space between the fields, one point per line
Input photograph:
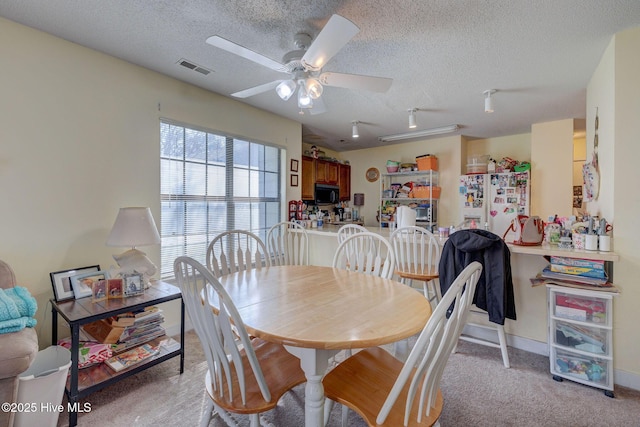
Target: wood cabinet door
x=308 y=178
x=326 y=172
x=344 y=172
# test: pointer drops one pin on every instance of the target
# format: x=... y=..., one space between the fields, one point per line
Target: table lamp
x=134 y=226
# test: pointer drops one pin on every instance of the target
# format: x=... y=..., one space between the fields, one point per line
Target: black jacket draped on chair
x=494 y=292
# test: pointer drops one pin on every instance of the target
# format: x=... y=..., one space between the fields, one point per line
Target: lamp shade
x=134 y=226
x=358 y=199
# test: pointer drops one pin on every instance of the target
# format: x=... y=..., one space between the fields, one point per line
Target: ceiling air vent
x=190 y=65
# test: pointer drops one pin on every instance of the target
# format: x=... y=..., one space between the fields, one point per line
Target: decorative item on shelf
x=83 y=283
x=134 y=226
x=133 y=284
x=61 y=281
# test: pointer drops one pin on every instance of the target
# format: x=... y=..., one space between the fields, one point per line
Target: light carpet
x=478 y=391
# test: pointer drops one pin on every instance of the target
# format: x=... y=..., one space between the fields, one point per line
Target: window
x=210 y=183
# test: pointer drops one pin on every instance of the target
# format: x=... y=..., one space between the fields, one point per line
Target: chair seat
x=366 y=394
x=409 y=272
x=281 y=370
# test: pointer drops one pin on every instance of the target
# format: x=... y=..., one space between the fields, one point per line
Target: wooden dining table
x=315 y=312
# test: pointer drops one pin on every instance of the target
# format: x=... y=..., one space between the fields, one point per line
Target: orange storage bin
x=427 y=163
x=425 y=192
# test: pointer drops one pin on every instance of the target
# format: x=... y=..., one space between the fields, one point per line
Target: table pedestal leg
x=314 y=363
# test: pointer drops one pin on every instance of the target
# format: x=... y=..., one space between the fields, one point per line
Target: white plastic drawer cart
x=581 y=336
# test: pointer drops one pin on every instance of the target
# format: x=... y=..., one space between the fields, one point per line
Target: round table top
x=325 y=308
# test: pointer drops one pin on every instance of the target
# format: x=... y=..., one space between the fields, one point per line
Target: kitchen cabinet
x=308 y=178
x=417 y=189
x=315 y=171
x=581 y=336
x=326 y=172
x=344 y=181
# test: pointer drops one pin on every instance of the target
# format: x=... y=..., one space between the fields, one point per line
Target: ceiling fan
x=305 y=64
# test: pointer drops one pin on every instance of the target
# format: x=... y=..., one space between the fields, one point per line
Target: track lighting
x=304 y=100
x=412 y=118
x=354 y=129
x=285 y=89
x=488 y=104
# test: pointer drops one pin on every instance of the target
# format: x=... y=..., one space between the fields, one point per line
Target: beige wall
x=615 y=90
x=79 y=138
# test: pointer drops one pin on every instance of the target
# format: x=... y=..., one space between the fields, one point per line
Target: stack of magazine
x=142 y=327
x=133 y=329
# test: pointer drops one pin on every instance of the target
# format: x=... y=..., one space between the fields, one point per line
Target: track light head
x=488 y=104
x=412 y=117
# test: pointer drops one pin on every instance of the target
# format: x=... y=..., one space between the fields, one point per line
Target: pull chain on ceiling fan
x=305 y=66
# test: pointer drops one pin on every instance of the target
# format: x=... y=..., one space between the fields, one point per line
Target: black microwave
x=327 y=194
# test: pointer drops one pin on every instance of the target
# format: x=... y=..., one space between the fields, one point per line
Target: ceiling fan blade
x=356 y=81
x=245 y=53
x=335 y=34
x=257 y=89
x=319 y=107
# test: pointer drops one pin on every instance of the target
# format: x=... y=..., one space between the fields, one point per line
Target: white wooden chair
x=349 y=230
x=245 y=376
x=288 y=244
x=417 y=256
x=367 y=253
x=236 y=250
x=386 y=392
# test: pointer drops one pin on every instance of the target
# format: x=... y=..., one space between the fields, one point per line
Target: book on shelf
x=132 y=357
x=594 y=281
x=126 y=345
x=133 y=317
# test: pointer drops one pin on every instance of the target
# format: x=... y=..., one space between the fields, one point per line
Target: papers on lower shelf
x=594 y=281
x=132 y=357
x=169 y=345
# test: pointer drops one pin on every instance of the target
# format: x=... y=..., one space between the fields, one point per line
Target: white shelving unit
x=581 y=336
x=426 y=203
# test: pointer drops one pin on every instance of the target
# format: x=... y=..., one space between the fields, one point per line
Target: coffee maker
x=339 y=212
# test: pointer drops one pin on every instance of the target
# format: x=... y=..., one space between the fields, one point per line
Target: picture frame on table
x=115 y=288
x=61 y=281
x=133 y=284
x=99 y=290
x=83 y=283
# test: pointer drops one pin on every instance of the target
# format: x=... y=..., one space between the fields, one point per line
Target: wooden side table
x=82 y=311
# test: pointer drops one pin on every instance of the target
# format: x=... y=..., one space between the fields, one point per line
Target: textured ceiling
x=441 y=54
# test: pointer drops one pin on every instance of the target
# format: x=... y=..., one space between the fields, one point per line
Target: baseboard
x=621 y=378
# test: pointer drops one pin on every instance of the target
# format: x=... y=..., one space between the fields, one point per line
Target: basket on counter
x=425 y=192
x=427 y=163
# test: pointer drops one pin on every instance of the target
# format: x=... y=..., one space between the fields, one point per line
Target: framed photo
x=133 y=284
x=294 y=165
x=99 y=290
x=114 y=288
x=294 y=180
x=83 y=283
x=61 y=281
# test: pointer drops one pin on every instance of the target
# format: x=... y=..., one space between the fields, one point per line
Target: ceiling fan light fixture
x=304 y=100
x=412 y=118
x=313 y=87
x=354 y=129
x=488 y=104
x=285 y=89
